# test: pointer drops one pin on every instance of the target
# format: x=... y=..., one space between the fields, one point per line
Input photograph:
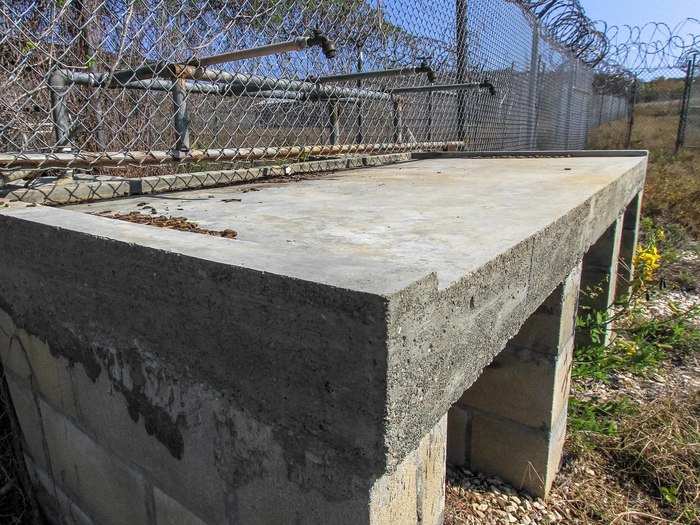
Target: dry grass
x=648 y=472
x=672 y=193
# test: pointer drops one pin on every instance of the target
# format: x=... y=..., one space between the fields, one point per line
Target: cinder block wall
x=92 y=460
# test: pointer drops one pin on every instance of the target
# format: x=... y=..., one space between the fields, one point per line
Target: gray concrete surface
x=511 y=422
x=599 y=282
x=302 y=371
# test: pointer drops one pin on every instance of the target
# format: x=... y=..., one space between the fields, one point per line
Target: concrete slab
x=380 y=229
x=331 y=338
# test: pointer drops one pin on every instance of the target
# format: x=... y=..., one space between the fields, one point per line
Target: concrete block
x=525 y=390
x=29 y=418
x=50 y=373
x=14 y=358
x=320 y=354
x=193 y=479
x=58 y=508
x=170 y=512
x=599 y=277
x=553 y=323
x=430 y=476
x=524 y=386
x=415 y=492
x=109 y=490
x=7 y=325
x=628 y=245
x=458 y=435
x=524 y=456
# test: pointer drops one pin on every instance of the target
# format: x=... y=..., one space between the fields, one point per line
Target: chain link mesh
x=105 y=84
x=692 y=130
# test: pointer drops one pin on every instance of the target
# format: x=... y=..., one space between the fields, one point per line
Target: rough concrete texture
x=58 y=508
x=170 y=512
x=311 y=357
x=511 y=421
x=599 y=279
x=628 y=246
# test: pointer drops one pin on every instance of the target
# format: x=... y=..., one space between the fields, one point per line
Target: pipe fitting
x=325 y=43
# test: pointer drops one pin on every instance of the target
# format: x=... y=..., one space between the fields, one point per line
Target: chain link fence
x=125 y=86
x=691 y=130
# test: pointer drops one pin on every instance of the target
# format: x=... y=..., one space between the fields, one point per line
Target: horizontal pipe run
x=191 y=86
x=229 y=84
x=445 y=87
x=296 y=44
x=385 y=73
x=174 y=70
x=118 y=158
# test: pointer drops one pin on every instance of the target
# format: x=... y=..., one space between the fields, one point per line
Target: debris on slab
x=172 y=223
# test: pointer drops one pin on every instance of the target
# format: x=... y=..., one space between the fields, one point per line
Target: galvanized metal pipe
x=229 y=84
x=445 y=87
x=170 y=70
x=119 y=158
x=296 y=44
x=59 y=111
x=384 y=73
x=181 y=119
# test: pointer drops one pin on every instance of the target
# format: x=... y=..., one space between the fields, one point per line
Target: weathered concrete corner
x=302 y=373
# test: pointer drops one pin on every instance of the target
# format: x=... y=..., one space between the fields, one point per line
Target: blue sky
x=638 y=12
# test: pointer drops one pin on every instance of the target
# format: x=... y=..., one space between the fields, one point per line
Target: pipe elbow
x=325 y=43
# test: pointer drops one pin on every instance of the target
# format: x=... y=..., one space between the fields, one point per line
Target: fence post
x=430 y=116
x=181 y=118
x=630 y=115
x=461 y=48
x=532 y=87
x=333 y=118
x=397 y=119
x=570 y=101
x=360 y=66
x=685 y=103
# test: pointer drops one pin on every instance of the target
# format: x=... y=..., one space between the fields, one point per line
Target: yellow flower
x=647 y=260
x=628 y=347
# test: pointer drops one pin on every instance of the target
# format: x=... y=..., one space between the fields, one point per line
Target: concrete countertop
x=375 y=230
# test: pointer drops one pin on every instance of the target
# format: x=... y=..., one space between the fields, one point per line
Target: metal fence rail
x=123 y=84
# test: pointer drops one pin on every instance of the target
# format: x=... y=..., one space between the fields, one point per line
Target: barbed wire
x=619 y=50
x=119 y=84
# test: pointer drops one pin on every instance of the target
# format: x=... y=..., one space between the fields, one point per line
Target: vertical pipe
x=570 y=101
x=685 y=103
x=398 y=119
x=532 y=87
x=333 y=119
x=360 y=108
x=181 y=118
x=59 y=110
x=630 y=114
x=461 y=51
x=430 y=116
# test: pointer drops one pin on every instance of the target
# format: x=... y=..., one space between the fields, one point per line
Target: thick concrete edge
x=528 y=153
x=492 y=304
